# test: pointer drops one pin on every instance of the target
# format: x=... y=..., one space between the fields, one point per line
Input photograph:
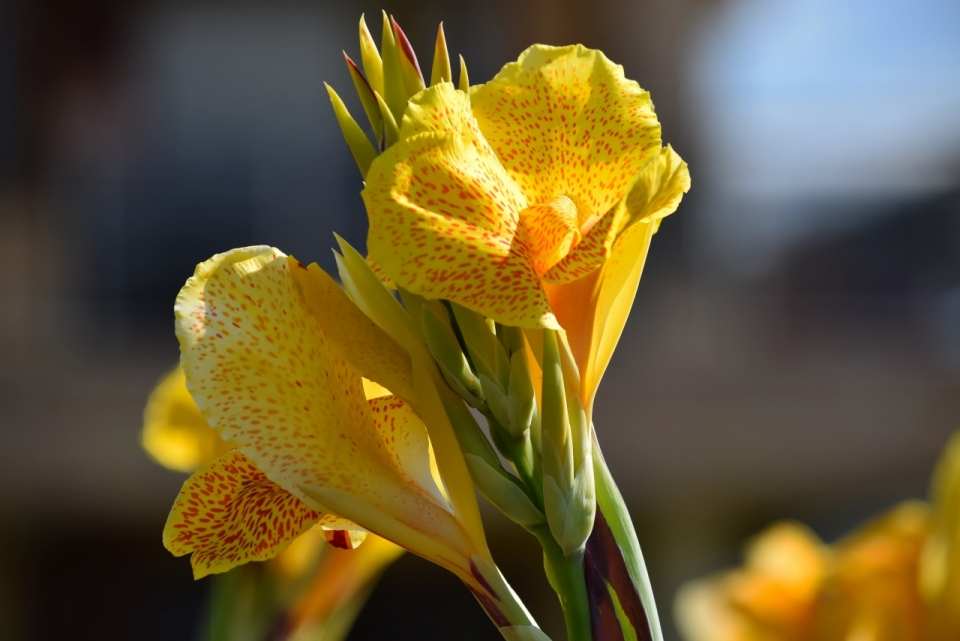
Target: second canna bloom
x=531 y=199
x=895 y=578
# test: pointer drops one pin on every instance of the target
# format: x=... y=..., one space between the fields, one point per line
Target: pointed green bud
x=479 y=339
x=394 y=90
x=496 y=399
x=363 y=152
x=409 y=67
x=470 y=436
x=521 y=397
x=445 y=349
x=365 y=92
x=391 y=133
x=553 y=418
x=581 y=505
x=370 y=57
x=501 y=489
x=571 y=513
x=464 y=78
x=501 y=364
x=459 y=387
x=536 y=434
x=441 y=60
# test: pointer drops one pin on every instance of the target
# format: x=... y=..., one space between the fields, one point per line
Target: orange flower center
x=551 y=230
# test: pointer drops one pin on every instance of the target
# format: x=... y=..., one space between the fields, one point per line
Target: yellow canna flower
x=273 y=353
x=794 y=588
x=871 y=592
x=532 y=200
x=772 y=598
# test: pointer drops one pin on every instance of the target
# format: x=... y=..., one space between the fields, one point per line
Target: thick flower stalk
x=313 y=589
x=517 y=215
x=274 y=354
x=896 y=578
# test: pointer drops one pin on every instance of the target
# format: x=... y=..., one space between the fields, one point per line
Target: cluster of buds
x=526 y=385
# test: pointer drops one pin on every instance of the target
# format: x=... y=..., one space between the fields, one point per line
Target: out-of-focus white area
x=812 y=112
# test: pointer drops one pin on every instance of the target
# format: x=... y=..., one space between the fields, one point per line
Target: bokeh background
x=794 y=351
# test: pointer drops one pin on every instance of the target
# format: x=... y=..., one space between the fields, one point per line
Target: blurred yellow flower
x=897 y=578
x=174 y=432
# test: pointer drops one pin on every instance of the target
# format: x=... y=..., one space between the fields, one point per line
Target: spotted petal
x=229 y=513
x=444 y=215
x=565 y=121
x=264 y=372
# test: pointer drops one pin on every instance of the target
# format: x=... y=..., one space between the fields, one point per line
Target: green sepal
x=464 y=85
x=370 y=57
x=394 y=90
x=445 y=349
x=496 y=399
x=367 y=98
x=373 y=298
x=503 y=491
x=363 y=151
x=479 y=339
x=409 y=67
x=441 y=71
x=391 y=133
x=521 y=396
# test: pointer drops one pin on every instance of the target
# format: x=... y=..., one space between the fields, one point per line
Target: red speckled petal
x=444 y=215
x=565 y=121
x=405 y=439
x=229 y=513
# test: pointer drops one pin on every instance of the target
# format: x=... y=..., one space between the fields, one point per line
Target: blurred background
x=794 y=351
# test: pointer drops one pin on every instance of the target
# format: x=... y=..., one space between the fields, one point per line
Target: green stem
x=568 y=581
x=610 y=502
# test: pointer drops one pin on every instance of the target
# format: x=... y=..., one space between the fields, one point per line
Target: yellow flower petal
x=370 y=350
x=593 y=308
x=405 y=441
x=229 y=513
x=262 y=369
x=444 y=215
x=174 y=432
x=565 y=121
